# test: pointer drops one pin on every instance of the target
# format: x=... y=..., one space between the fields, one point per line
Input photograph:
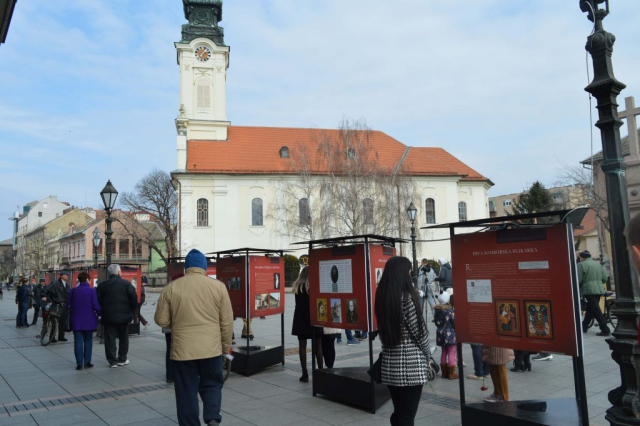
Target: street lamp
x=96 y=243
x=109 y=196
x=412 y=212
x=605 y=88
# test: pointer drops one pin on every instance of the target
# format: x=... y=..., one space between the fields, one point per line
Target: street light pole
x=96 y=243
x=624 y=345
x=412 y=212
x=109 y=196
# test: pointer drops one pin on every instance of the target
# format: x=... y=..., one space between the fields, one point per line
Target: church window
x=203 y=212
x=304 y=212
x=462 y=211
x=367 y=207
x=430 y=210
x=351 y=153
x=284 y=152
x=256 y=212
x=203 y=93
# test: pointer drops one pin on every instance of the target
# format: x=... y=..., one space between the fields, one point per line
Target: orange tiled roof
x=256 y=150
x=588 y=223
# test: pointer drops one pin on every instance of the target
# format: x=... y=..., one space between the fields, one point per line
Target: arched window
x=256 y=212
x=304 y=211
x=430 y=210
x=284 y=152
x=462 y=211
x=367 y=207
x=203 y=93
x=203 y=212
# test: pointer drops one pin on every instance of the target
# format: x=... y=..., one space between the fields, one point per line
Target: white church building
x=227 y=175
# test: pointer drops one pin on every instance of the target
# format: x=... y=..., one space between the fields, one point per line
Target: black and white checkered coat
x=406 y=364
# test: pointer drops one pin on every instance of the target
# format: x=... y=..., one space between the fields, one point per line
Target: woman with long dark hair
x=404 y=337
x=302 y=323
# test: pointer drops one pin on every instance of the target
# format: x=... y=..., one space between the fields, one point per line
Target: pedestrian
x=143 y=298
x=198 y=311
x=497 y=358
x=83 y=307
x=592 y=278
x=22 y=300
x=246 y=328
x=57 y=293
x=118 y=300
x=302 y=323
x=446 y=336
x=522 y=361
x=37 y=301
x=632 y=234
x=329 y=336
x=445 y=279
x=404 y=337
x=32 y=285
x=480 y=368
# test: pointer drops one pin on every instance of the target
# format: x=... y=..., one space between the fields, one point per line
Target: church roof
x=624 y=145
x=256 y=150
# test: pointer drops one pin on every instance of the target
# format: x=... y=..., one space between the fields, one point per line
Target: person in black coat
x=57 y=292
x=37 y=300
x=119 y=302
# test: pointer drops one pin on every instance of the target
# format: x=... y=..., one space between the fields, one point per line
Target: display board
x=514 y=288
x=93 y=278
x=266 y=276
x=338 y=286
x=231 y=271
x=133 y=274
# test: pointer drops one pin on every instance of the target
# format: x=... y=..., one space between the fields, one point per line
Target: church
x=234 y=180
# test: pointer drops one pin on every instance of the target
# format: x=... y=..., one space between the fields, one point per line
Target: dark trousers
x=202 y=376
x=168 y=362
x=22 y=314
x=329 y=350
x=480 y=368
x=36 y=313
x=405 y=404
x=111 y=332
x=83 y=346
x=593 y=311
x=61 y=323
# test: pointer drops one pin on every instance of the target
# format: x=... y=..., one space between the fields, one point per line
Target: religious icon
x=321 y=305
x=508 y=317
x=352 y=311
x=539 y=319
x=334 y=278
x=336 y=310
x=276 y=281
x=378 y=275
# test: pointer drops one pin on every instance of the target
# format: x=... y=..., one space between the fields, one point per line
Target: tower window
x=430 y=210
x=203 y=212
x=284 y=152
x=462 y=211
x=256 y=212
x=203 y=93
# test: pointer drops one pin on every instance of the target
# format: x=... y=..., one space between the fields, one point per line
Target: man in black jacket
x=119 y=301
x=37 y=300
x=57 y=292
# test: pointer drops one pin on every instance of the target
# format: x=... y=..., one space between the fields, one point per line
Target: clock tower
x=203 y=59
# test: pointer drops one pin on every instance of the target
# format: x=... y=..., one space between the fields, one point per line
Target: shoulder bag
x=375 y=372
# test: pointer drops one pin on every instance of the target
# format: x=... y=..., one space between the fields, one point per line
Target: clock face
x=203 y=53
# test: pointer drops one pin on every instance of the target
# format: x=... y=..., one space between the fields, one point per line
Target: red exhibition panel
x=93 y=278
x=231 y=271
x=338 y=287
x=132 y=274
x=211 y=269
x=379 y=256
x=266 y=276
x=513 y=288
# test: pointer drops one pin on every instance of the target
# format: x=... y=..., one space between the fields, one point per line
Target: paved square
x=40 y=386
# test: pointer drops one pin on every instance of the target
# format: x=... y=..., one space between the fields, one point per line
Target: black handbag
x=56 y=310
x=375 y=372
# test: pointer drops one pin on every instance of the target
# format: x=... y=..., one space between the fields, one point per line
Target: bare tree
x=336 y=186
x=590 y=184
x=153 y=202
x=7 y=264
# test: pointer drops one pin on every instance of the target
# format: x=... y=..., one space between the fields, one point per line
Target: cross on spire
x=632 y=126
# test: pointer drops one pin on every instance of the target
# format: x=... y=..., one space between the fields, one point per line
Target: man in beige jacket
x=198 y=311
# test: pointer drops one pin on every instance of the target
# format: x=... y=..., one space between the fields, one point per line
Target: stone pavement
x=40 y=386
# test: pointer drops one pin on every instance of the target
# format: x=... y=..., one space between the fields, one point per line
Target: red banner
x=513 y=288
x=266 y=275
x=231 y=271
x=338 y=286
x=134 y=276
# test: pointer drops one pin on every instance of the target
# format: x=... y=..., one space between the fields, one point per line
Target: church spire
x=203 y=17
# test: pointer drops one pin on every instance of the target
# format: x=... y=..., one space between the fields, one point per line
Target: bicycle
x=49 y=326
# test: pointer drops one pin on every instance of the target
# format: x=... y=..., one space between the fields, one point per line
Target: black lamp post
x=412 y=211
x=624 y=346
x=96 y=243
x=109 y=196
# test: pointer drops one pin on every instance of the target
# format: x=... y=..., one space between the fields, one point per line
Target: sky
x=89 y=89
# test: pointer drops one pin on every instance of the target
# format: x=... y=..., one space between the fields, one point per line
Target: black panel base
x=523 y=413
x=248 y=362
x=351 y=385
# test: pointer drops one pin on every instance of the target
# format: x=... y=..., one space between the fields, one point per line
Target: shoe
x=352 y=342
x=114 y=366
x=445 y=370
x=339 y=341
x=604 y=334
x=213 y=423
x=263 y=317
x=53 y=341
x=518 y=366
x=493 y=398
x=146 y=326
x=88 y=365
x=64 y=339
x=123 y=363
x=251 y=337
x=453 y=373
x=169 y=380
x=464 y=364
x=473 y=377
x=543 y=357
x=305 y=377
x=527 y=365
x=79 y=367
x=363 y=337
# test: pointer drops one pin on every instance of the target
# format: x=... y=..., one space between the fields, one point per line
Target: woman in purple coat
x=82 y=302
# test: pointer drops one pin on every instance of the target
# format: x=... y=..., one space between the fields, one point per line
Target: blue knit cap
x=195 y=259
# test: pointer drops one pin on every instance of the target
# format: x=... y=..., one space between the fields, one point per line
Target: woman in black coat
x=302 y=323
